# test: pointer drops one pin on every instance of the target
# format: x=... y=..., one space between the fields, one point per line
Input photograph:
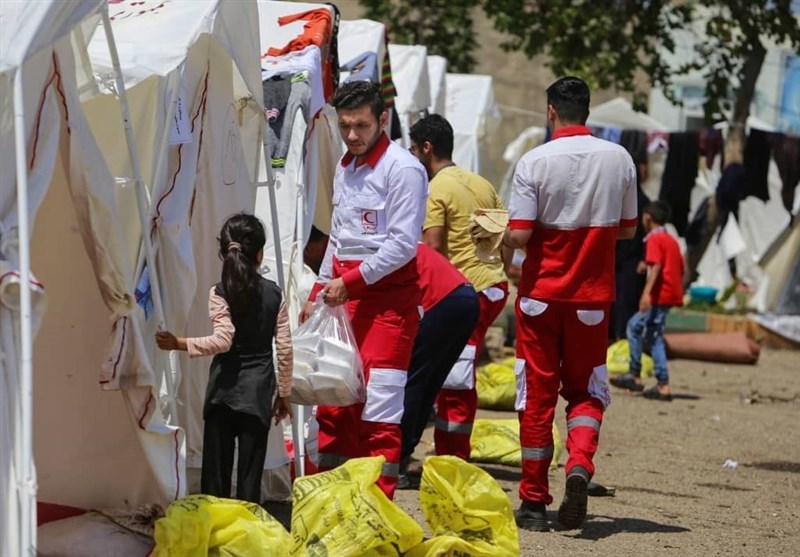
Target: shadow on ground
x=598 y=527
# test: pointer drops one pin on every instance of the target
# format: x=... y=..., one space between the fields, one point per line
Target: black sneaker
x=572 y=511
x=626 y=381
x=532 y=516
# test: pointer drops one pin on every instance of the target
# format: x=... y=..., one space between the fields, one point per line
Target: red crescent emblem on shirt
x=370 y=217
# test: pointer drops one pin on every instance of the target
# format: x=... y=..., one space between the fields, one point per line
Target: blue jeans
x=648 y=327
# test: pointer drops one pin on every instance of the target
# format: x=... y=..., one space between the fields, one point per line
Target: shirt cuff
x=312 y=296
x=628 y=223
x=354 y=281
x=521 y=224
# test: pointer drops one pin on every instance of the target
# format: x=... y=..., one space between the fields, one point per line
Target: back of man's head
x=659 y=211
x=436 y=130
x=356 y=94
x=570 y=97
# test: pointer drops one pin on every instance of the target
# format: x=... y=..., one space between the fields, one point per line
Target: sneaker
x=626 y=381
x=532 y=516
x=572 y=511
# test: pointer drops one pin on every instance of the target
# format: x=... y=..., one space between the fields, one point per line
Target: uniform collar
x=372 y=157
x=569 y=131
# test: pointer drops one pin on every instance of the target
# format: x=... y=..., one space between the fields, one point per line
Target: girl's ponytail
x=241 y=239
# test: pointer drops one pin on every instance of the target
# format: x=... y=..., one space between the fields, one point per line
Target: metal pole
x=142 y=205
x=26 y=481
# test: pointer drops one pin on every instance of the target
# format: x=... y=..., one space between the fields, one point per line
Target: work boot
x=572 y=511
x=532 y=516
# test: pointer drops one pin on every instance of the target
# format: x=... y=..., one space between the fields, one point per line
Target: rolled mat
x=728 y=348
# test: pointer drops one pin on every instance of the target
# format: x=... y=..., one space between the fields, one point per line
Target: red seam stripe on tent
x=180 y=162
x=60 y=90
x=177 y=471
x=16 y=274
x=36 y=126
x=121 y=346
x=199 y=151
x=144 y=415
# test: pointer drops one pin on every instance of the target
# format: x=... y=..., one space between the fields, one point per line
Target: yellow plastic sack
x=497 y=441
x=342 y=513
x=496 y=385
x=202 y=525
x=618 y=359
x=467 y=512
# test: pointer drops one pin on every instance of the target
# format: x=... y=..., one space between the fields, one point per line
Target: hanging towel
x=362 y=68
x=757 y=152
x=635 y=142
x=680 y=172
x=730 y=192
x=786 y=153
x=711 y=145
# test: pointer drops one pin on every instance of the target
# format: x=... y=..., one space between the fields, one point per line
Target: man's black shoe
x=572 y=511
x=532 y=516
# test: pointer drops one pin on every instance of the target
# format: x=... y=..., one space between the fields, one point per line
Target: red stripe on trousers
x=558 y=349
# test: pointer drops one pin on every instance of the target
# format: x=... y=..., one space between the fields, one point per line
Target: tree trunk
x=743 y=100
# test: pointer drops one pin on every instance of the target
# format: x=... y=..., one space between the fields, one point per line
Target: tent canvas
x=410 y=76
x=473 y=113
x=43 y=55
x=437 y=73
x=201 y=128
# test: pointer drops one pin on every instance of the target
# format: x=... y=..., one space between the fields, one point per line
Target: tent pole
x=26 y=479
x=142 y=205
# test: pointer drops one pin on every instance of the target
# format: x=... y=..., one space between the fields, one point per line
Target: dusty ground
x=673 y=495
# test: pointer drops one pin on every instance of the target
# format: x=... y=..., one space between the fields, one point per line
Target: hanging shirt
x=317 y=32
x=378 y=210
x=574 y=192
x=294 y=63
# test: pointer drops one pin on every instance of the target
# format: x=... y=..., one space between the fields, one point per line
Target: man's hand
x=306 y=313
x=281 y=408
x=335 y=293
x=645 y=302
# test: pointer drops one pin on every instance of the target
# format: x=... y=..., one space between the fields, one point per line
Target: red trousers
x=559 y=343
x=458 y=401
x=385 y=320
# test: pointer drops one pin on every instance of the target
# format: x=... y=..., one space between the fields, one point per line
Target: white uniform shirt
x=378 y=211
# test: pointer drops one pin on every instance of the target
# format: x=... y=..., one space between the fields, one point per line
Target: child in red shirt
x=663 y=290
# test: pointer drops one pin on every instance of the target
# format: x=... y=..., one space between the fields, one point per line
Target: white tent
x=359 y=36
x=410 y=76
x=472 y=112
x=64 y=197
x=196 y=98
x=437 y=73
x=619 y=113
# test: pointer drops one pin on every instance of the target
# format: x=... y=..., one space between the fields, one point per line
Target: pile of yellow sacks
x=343 y=513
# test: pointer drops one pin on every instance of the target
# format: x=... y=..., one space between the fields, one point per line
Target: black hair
x=356 y=94
x=241 y=238
x=570 y=97
x=316 y=235
x=659 y=211
x=436 y=130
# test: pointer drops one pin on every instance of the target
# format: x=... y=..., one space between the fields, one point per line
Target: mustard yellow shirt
x=454 y=195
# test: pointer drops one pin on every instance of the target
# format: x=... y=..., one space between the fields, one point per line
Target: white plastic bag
x=327 y=367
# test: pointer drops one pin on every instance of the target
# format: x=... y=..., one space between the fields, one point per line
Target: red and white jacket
x=574 y=192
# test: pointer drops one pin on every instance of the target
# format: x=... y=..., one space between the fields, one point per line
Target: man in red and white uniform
x=379 y=195
x=572 y=199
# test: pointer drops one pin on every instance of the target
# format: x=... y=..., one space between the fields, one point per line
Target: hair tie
x=234 y=246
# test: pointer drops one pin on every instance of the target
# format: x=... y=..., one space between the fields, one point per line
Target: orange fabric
x=316 y=32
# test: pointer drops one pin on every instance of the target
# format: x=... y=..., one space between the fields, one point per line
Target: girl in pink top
x=247 y=312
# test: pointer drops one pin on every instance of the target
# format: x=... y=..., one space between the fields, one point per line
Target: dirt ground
x=673 y=494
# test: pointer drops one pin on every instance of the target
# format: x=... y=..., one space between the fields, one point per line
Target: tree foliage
x=619 y=44
x=445 y=27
